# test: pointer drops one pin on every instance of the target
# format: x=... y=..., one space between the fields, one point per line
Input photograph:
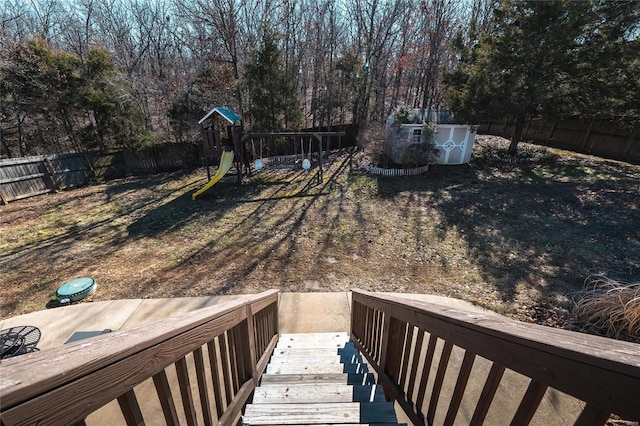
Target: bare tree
x=377 y=26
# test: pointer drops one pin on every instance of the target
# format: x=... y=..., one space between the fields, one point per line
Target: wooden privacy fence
x=410 y=344
x=588 y=137
x=30 y=176
x=227 y=346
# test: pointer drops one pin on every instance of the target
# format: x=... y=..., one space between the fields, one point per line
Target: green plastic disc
x=77 y=289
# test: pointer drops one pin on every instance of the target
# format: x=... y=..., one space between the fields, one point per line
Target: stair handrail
x=603 y=373
x=65 y=385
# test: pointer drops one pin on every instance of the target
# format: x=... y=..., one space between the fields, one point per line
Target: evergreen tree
x=606 y=79
x=553 y=59
x=273 y=104
x=52 y=101
x=522 y=67
x=107 y=98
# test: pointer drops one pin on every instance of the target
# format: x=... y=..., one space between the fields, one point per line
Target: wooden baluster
x=396 y=338
x=185 y=391
x=240 y=351
x=224 y=356
x=437 y=384
x=166 y=399
x=380 y=334
x=372 y=330
x=367 y=327
x=130 y=409
x=592 y=416
x=363 y=322
x=488 y=392
x=461 y=385
x=214 y=360
x=408 y=342
x=202 y=386
x=426 y=369
x=233 y=360
x=262 y=320
x=251 y=357
x=414 y=365
x=373 y=344
x=377 y=335
x=270 y=320
x=353 y=326
x=529 y=404
x=260 y=330
x=360 y=321
x=363 y=337
x=274 y=310
x=265 y=329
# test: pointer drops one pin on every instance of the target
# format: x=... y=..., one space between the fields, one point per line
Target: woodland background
x=82 y=75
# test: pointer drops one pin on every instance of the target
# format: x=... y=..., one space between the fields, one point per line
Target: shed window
x=417 y=135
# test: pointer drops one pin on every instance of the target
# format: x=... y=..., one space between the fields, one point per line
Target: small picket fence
x=380 y=171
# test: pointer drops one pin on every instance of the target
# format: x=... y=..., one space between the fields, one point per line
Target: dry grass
x=609 y=308
x=516 y=237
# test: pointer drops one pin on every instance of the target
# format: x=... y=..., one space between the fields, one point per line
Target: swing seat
x=283 y=162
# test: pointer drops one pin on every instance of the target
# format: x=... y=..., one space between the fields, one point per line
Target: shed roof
x=225 y=112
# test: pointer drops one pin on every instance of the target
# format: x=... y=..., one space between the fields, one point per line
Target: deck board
x=351 y=379
x=331 y=413
x=315 y=393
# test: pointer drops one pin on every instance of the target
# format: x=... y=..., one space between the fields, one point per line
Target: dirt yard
x=517 y=236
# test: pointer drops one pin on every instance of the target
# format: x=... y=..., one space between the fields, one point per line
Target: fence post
x=553 y=129
x=3 y=196
x=627 y=151
x=586 y=139
x=52 y=174
x=526 y=130
x=89 y=163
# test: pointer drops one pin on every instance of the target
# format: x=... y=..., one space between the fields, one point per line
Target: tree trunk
x=517 y=134
x=5 y=145
x=21 y=149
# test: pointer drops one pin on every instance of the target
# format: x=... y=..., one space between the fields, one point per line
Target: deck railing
x=226 y=347
x=410 y=345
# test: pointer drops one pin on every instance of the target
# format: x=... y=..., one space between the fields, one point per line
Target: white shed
x=453 y=141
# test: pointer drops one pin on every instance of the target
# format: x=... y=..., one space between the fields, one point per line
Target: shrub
x=402 y=114
x=609 y=308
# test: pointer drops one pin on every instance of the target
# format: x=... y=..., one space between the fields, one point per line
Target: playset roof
x=225 y=112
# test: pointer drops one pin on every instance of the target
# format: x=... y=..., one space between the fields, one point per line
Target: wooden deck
x=318 y=379
x=441 y=365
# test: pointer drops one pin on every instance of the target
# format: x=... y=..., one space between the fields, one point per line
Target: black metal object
x=19 y=340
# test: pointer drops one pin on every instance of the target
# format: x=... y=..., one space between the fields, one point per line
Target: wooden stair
x=318 y=379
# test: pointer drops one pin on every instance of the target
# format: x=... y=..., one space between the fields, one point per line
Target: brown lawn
x=516 y=237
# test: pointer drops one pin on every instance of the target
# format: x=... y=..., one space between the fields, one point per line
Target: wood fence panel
x=30 y=176
x=70 y=170
x=24 y=177
x=602 y=139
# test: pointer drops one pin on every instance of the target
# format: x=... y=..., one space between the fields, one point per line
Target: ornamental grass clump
x=609 y=308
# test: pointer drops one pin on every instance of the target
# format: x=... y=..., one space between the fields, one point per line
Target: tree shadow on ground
x=244 y=230
x=170 y=213
x=536 y=232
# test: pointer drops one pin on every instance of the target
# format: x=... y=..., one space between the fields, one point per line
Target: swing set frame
x=321 y=141
x=214 y=138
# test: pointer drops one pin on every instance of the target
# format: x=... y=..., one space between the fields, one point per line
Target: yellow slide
x=225 y=164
